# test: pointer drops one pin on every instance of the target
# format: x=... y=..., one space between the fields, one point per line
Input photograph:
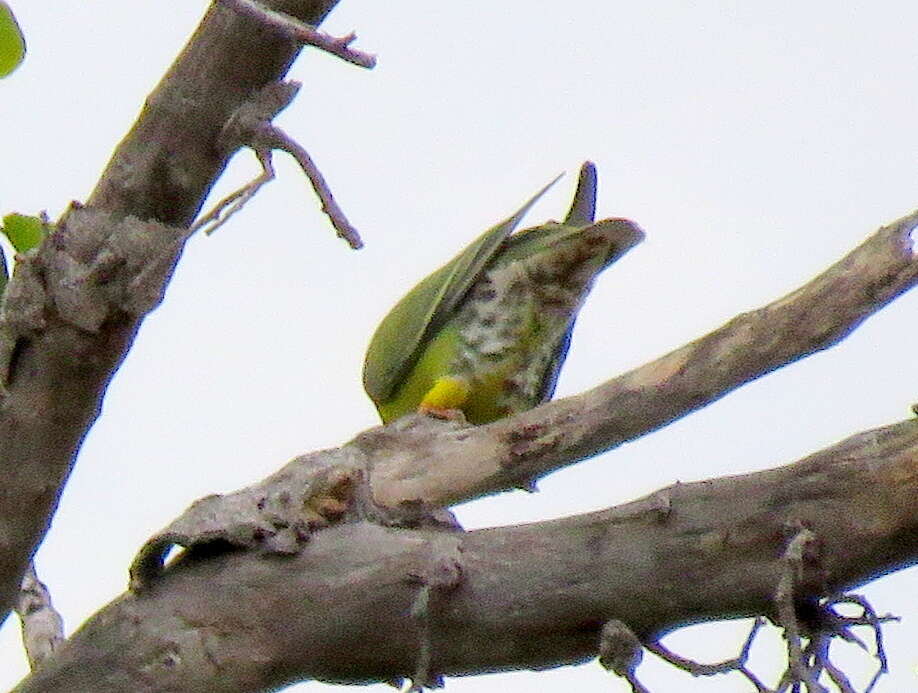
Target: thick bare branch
x=69 y=316
x=514 y=452
x=56 y=363
x=341 y=609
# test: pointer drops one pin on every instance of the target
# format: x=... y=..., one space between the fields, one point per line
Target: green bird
x=487 y=333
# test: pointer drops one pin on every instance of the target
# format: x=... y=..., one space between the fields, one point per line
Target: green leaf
x=24 y=232
x=12 y=43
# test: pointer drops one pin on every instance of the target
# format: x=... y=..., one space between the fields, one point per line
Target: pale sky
x=755 y=143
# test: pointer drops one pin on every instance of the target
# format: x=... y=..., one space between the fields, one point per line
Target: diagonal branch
x=341 y=608
x=513 y=452
x=55 y=363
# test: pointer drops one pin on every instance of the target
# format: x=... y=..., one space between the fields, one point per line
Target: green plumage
x=491 y=328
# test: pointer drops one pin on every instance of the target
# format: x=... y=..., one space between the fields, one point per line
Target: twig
x=42 y=626
x=806 y=664
x=251 y=126
x=236 y=200
x=304 y=33
x=869 y=618
x=820 y=648
x=738 y=663
x=794 y=558
x=278 y=139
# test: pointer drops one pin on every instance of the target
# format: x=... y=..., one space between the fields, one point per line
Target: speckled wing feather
x=404 y=332
x=624 y=235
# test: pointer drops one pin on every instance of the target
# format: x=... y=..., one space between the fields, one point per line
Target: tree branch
x=398 y=472
x=341 y=609
x=56 y=364
x=513 y=452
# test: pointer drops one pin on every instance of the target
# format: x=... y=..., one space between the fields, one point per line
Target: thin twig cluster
x=252 y=127
x=808 y=638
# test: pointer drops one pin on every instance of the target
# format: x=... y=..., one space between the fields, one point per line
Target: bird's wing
x=405 y=331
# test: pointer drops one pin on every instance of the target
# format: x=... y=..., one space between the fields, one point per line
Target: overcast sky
x=755 y=143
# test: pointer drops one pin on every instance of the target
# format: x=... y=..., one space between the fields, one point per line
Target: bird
x=487 y=333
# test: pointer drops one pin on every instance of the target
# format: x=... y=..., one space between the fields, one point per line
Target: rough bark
x=530 y=596
x=55 y=368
